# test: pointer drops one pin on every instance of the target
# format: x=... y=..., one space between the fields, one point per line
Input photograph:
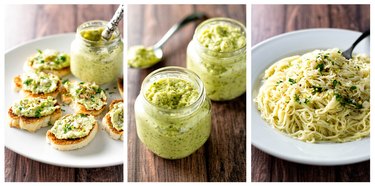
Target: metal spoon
x=112 y=24
x=348 y=53
x=157 y=48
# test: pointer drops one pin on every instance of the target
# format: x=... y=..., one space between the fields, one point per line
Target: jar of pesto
x=217 y=53
x=94 y=59
x=172 y=112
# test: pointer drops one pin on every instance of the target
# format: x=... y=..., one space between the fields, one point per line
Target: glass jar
x=223 y=73
x=173 y=133
x=94 y=59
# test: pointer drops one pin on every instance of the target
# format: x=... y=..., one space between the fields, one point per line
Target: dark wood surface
x=271 y=20
x=223 y=157
x=26 y=22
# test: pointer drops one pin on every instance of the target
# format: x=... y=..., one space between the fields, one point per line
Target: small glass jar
x=96 y=60
x=223 y=73
x=173 y=133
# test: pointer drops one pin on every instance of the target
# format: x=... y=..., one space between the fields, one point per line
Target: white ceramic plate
x=270 y=140
x=102 y=151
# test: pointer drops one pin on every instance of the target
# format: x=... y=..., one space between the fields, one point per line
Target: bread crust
x=32 y=124
x=18 y=87
x=71 y=144
x=108 y=126
x=120 y=85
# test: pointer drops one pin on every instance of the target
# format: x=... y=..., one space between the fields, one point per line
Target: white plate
x=102 y=151
x=264 y=137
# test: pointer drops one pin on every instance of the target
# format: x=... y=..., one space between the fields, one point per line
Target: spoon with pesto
x=144 y=57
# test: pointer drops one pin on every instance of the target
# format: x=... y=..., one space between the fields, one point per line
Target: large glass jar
x=173 y=133
x=219 y=62
x=94 y=59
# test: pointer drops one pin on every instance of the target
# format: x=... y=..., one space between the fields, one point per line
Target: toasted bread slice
x=32 y=124
x=71 y=144
x=78 y=108
x=60 y=72
x=18 y=87
x=120 y=85
x=108 y=126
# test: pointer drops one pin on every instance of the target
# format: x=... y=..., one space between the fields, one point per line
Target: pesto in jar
x=172 y=93
x=222 y=38
x=94 y=59
x=217 y=53
x=173 y=114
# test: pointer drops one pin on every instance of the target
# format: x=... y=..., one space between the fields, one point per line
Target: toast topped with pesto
x=113 y=121
x=32 y=114
x=72 y=131
x=85 y=97
x=37 y=84
x=49 y=61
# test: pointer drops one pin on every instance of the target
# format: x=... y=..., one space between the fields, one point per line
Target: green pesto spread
x=40 y=82
x=141 y=57
x=172 y=93
x=94 y=34
x=222 y=38
x=173 y=135
x=222 y=67
x=49 y=60
x=35 y=107
x=97 y=60
x=88 y=94
x=73 y=126
x=117 y=116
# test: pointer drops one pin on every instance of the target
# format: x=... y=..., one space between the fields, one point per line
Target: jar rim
x=97 y=24
x=219 y=19
x=177 y=70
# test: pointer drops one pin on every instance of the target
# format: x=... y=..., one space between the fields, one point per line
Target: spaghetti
x=318 y=97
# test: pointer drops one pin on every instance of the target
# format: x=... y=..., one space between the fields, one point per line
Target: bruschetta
x=32 y=114
x=85 y=97
x=113 y=121
x=72 y=131
x=49 y=61
x=37 y=84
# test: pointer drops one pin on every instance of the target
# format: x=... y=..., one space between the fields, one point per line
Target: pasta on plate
x=318 y=97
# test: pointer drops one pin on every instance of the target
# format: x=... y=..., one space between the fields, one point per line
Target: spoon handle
x=111 y=25
x=178 y=26
x=364 y=35
x=348 y=53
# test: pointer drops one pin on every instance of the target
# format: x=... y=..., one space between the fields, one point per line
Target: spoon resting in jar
x=144 y=57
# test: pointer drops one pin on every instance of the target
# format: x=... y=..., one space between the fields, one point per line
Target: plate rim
x=61 y=164
x=296 y=159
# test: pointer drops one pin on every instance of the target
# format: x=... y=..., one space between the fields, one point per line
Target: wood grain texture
x=223 y=157
x=26 y=22
x=271 y=20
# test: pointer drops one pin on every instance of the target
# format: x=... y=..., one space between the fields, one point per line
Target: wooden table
x=271 y=20
x=223 y=157
x=26 y=22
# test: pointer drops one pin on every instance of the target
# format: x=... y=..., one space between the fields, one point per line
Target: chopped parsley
x=28 y=82
x=292 y=81
x=317 y=89
x=335 y=83
x=347 y=101
x=320 y=67
x=353 y=87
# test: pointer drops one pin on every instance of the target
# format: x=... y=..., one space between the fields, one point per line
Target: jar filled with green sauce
x=94 y=59
x=217 y=53
x=172 y=112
